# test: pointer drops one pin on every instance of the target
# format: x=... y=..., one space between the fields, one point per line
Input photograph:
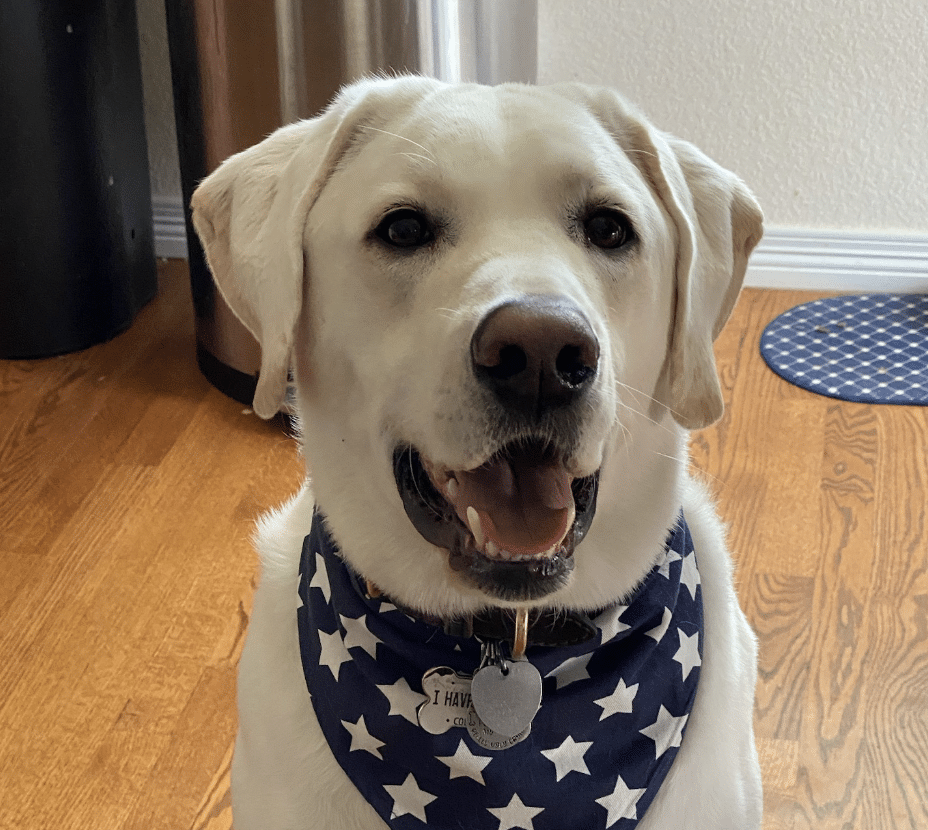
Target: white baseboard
x=786 y=258
x=840 y=261
x=170 y=231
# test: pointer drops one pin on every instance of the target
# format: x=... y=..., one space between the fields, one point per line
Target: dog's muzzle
x=511 y=524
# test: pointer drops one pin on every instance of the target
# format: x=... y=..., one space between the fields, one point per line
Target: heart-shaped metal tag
x=506 y=696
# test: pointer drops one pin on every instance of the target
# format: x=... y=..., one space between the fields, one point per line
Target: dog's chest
x=393 y=697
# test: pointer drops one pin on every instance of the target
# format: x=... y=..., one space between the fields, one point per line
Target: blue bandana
x=612 y=716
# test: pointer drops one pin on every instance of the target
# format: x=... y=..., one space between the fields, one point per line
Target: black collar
x=545 y=627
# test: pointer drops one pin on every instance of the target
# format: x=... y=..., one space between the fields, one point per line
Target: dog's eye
x=405 y=228
x=607 y=229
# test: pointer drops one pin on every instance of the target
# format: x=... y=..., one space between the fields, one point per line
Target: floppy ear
x=718 y=224
x=250 y=215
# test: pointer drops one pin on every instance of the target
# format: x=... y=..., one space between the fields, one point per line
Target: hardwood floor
x=127 y=495
x=826 y=501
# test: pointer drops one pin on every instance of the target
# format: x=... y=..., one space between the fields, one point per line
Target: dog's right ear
x=251 y=212
x=249 y=215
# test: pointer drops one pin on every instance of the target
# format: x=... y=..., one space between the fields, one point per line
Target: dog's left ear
x=718 y=224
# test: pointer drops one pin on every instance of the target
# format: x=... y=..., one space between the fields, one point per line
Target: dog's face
x=497 y=302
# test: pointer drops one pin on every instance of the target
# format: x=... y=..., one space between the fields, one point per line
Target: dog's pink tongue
x=526 y=506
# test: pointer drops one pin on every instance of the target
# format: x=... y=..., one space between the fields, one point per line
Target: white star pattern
x=332 y=652
x=622 y=803
x=571 y=670
x=619 y=702
x=688 y=653
x=568 y=757
x=464 y=764
x=403 y=700
x=690 y=575
x=657 y=633
x=320 y=578
x=408 y=799
x=666 y=731
x=664 y=569
x=361 y=739
x=358 y=635
x=515 y=814
x=614 y=700
x=609 y=623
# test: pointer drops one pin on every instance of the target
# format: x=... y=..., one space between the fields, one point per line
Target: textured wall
x=822 y=107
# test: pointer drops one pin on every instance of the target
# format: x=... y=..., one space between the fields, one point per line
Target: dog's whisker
x=450 y=313
x=418 y=156
x=401 y=137
x=643 y=394
x=626 y=435
x=634 y=393
x=634 y=411
x=676 y=458
x=720 y=481
x=685 y=459
x=627 y=443
x=643 y=153
x=648 y=397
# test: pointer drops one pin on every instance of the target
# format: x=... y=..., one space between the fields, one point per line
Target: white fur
x=379 y=346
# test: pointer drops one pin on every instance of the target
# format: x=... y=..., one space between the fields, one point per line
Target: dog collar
x=612 y=716
x=545 y=628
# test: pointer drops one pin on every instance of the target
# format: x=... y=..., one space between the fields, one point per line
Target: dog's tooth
x=491 y=549
x=452 y=487
x=474 y=521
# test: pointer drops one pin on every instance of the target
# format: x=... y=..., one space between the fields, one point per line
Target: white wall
x=820 y=105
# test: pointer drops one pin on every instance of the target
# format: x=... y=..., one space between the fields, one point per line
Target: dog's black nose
x=536 y=353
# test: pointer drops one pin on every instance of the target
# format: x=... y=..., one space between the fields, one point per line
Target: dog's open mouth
x=510 y=525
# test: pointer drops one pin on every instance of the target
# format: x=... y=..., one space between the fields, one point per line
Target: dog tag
x=506 y=694
x=447 y=702
x=487 y=738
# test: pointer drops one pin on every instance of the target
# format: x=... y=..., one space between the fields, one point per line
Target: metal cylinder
x=242 y=68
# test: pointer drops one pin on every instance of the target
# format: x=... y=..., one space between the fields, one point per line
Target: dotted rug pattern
x=871 y=348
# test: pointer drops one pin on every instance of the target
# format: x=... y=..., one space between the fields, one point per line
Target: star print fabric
x=612 y=716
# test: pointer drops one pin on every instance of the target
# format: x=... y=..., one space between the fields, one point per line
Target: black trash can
x=77 y=255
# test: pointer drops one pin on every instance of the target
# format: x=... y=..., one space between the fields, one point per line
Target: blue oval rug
x=871 y=348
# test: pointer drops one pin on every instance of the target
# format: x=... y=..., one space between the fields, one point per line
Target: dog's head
x=499 y=305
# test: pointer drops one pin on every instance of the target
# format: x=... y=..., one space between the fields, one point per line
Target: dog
x=495 y=601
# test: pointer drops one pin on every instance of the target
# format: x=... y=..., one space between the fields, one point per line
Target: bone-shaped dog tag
x=447 y=700
x=506 y=694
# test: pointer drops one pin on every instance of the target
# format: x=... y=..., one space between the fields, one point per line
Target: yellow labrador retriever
x=503 y=602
